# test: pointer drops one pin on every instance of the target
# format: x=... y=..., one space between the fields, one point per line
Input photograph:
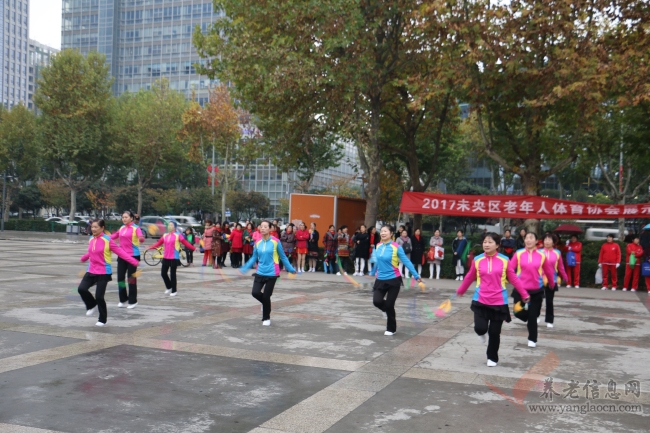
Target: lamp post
x=4 y=199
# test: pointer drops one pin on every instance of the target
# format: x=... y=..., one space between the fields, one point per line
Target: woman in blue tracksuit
x=388 y=256
x=268 y=252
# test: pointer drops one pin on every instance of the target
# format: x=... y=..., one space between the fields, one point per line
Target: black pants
x=345 y=261
x=98 y=301
x=235 y=259
x=190 y=256
x=247 y=257
x=493 y=329
x=388 y=289
x=222 y=259
x=124 y=268
x=550 y=294
x=534 y=307
x=267 y=284
x=332 y=266
x=170 y=281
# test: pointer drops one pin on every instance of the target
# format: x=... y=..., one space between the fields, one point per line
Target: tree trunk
x=621 y=223
x=140 y=188
x=530 y=186
x=374 y=165
x=224 y=187
x=73 y=203
x=417 y=221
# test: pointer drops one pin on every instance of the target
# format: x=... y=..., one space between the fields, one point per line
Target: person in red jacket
x=609 y=260
x=302 y=236
x=632 y=271
x=236 y=246
x=573 y=272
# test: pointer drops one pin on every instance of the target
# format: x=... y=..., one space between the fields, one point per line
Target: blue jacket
x=388 y=257
x=268 y=254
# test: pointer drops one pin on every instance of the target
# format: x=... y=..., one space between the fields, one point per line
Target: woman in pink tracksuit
x=130 y=237
x=100 y=249
x=171 y=242
x=554 y=265
x=528 y=264
x=490 y=270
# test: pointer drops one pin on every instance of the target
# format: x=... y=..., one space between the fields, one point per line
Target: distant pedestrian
x=573 y=258
x=190 y=237
x=343 y=249
x=302 y=247
x=361 y=250
x=312 y=247
x=433 y=258
x=508 y=244
x=459 y=247
x=404 y=241
x=633 y=260
x=609 y=260
x=417 y=254
x=207 y=242
x=331 y=244
x=237 y=246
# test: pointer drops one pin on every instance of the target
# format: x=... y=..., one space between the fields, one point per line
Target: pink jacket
x=555 y=264
x=130 y=237
x=530 y=269
x=100 y=249
x=257 y=236
x=491 y=274
x=171 y=243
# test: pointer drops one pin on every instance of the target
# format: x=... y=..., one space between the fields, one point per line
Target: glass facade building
x=143 y=40
x=40 y=56
x=14 y=19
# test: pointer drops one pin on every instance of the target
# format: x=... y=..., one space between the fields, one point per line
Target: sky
x=45 y=22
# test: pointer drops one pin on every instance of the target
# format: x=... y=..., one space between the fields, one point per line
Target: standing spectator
x=573 y=256
x=609 y=260
x=302 y=238
x=225 y=244
x=288 y=240
x=373 y=239
x=275 y=231
x=409 y=231
x=207 y=242
x=405 y=242
x=633 y=265
x=191 y=239
x=417 y=254
x=435 y=241
x=248 y=241
x=520 y=240
x=312 y=247
x=237 y=246
x=645 y=243
x=362 y=250
x=344 y=249
x=217 y=245
x=458 y=246
x=331 y=244
x=508 y=244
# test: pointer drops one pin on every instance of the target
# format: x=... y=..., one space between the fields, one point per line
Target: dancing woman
x=130 y=237
x=490 y=300
x=171 y=242
x=389 y=279
x=267 y=253
x=99 y=270
x=554 y=265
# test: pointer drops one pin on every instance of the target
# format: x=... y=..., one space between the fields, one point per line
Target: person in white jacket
x=435 y=241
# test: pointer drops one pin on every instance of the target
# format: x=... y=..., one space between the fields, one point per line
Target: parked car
x=600 y=234
x=154 y=226
x=54 y=219
x=113 y=216
x=185 y=221
x=77 y=220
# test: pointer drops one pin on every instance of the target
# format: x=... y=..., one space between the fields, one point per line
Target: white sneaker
x=604 y=288
x=431 y=278
x=462 y=278
x=491 y=363
x=100 y=324
x=577 y=287
x=91 y=311
x=532 y=344
x=632 y=290
x=549 y=325
x=173 y=294
x=483 y=340
x=389 y=333
x=383 y=313
x=266 y=323
x=132 y=306
x=624 y=289
x=614 y=289
x=122 y=305
x=538 y=320
x=338 y=273
x=345 y=273
x=457 y=278
x=568 y=287
x=168 y=291
x=437 y=278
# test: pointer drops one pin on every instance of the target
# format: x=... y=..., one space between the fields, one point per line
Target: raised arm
x=121 y=254
x=157 y=244
x=115 y=235
x=138 y=232
x=187 y=244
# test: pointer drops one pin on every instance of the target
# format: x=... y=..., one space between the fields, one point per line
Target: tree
x=248 y=204
x=19 y=150
x=29 y=198
x=146 y=128
x=74 y=97
x=54 y=194
x=390 y=199
x=537 y=76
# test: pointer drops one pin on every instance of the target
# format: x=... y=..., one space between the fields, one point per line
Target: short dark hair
x=552 y=237
x=531 y=233
x=130 y=214
x=609 y=235
x=390 y=228
x=343 y=227
x=100 y=222
x=494 y=236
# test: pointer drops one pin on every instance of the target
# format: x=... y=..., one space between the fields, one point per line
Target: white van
x=600 y=234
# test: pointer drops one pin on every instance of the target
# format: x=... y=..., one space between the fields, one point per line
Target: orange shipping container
x=325 y=210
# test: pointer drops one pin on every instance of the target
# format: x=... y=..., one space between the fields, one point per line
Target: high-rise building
x=143 y=40
x=40 y=56
x=13 y=55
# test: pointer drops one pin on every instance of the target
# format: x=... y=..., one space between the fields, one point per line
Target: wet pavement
x=202 y=361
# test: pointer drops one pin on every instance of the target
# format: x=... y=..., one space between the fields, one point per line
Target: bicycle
x=154 y=257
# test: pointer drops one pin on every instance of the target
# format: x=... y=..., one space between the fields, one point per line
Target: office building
x=40 y=56
x=143 y=40
x=13 y=55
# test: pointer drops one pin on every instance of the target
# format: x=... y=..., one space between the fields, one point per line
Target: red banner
x=515 y=206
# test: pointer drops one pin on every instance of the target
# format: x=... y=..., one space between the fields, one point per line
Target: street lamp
x=4 y=200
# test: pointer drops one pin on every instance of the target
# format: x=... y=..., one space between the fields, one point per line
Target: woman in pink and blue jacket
x=555 y=265
x=130 y=237
x=171 y=242
x=491 y=272
x=528 y=264
x=100 y=249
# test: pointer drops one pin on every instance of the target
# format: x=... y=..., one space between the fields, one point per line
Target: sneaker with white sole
x=549 y=325
x=613 y=289
x=91 y=311
x=266 y=323
x=624 y=289
x=168 y=291
x=632 y=290
x=131 y=306
x=389 y=333
x=338 y=274
x=482 y=339
x=491 y=363
x=457 y=278
x=604 y=288
x=532 y=344
x=173 y=294
x=538 y=320
x=577 y=287
x=568 y=287
x=122 y=305
x=100 y=324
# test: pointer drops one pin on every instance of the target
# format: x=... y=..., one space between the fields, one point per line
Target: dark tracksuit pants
x=267 y=284
x=388 y=289
x=493 y=329
x=98 y=301
x=534 y=307
x=124 y=268
x=170 y=281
